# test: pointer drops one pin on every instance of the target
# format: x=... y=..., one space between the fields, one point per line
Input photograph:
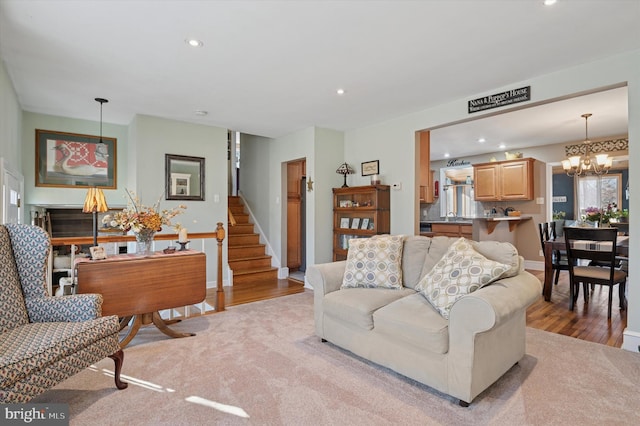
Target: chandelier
x=579 y=166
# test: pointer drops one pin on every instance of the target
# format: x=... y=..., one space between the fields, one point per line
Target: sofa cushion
x=460 y=271
x=355 y=306
x=13 y=311
x=416 y=249
x=413 y=321
x=374 y=262
x=437 y=249
x=500 y=252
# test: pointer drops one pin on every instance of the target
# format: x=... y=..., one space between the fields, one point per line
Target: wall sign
x=509 y=97
x=456 y=162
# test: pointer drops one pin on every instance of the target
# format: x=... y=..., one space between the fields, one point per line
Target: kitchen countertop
x=497 y=218
x=459 y=221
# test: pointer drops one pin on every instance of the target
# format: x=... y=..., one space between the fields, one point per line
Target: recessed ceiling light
x=502 y=146
x=482 y=140
x=201 y=112
x=549 y=2
x=447 y=155
x=194 y=42
x=341 y=91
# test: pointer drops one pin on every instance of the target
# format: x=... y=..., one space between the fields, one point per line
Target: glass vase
x=144 y=240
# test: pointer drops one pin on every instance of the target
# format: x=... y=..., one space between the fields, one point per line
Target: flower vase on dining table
x=144 y=240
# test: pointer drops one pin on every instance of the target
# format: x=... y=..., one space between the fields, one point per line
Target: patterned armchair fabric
x=44 y=339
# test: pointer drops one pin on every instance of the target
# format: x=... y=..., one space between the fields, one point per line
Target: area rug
x=261 y=364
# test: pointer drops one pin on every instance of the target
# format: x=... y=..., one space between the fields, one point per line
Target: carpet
x=261 y=364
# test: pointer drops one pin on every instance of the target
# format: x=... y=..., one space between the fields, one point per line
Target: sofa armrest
x=71 y=308
x=326 y=277
x=487 y=333
x=494 y=304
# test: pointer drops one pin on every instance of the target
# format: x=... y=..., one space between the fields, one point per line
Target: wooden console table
x=136 y=288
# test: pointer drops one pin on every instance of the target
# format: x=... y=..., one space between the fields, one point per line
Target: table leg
x=124 y=321
x=548 y=271
x=162 y=326
x=146 y=319
x=135 y=326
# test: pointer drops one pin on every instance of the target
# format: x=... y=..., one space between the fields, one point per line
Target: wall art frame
x=370 y=168
x=73 y=160
x=184 y=177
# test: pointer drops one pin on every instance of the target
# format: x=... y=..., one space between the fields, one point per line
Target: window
x=598 y=191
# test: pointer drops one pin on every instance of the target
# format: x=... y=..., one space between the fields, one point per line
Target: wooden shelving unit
x=359 y=212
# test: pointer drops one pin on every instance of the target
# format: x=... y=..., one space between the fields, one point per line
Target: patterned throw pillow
x=461 y=271
x=374 y=262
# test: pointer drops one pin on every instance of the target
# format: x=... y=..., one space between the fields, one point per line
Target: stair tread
x=266 y=256
x=255 y=270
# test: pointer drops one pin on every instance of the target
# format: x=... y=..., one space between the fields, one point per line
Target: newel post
x=220 y=290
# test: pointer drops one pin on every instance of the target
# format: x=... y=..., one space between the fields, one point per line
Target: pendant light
x=95 y=202
x=579 y=166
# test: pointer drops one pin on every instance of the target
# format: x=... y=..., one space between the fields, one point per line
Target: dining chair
x=559 y=257
x=595 y=245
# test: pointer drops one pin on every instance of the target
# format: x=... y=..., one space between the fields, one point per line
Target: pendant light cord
x=102 y=101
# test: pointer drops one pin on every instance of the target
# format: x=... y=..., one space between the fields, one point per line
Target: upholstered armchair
x=43 y=339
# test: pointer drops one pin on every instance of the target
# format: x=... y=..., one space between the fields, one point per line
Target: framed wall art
x=71 y=160
x=370 y=168
x=184 y=177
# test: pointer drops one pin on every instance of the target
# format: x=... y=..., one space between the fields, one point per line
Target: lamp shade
x=95 y=201
x=345 y=169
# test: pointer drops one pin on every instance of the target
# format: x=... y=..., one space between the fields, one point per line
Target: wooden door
x=295 y=170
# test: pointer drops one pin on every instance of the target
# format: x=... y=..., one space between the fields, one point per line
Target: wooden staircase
x=247 y=256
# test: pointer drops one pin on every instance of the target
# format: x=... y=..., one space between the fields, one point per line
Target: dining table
x=558 y=243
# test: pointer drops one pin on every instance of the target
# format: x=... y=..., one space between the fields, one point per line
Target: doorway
x=296 y=236
x=12 y=184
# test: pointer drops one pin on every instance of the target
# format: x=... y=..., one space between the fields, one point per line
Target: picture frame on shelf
x=365 y=223
x=344 y=222
x=73 y=160
x=355 y=223
x=370 y=168
x=97 y=253
x=184 y=177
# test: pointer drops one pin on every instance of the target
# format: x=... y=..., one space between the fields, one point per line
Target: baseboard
x=283 y=273
x=631 y=340
x=534 y=265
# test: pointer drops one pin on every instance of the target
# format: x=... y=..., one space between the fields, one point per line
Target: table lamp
x=94 y=203
x=345 y=170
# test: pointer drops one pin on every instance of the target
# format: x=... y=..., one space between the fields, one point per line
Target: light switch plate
x=397 y=186
x=540 y=200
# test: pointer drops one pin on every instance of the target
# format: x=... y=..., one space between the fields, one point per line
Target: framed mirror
x=184 y=177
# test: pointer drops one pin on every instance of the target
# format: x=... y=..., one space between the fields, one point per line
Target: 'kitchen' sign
x=509 y=97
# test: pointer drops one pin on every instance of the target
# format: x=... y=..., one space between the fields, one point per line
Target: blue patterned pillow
x=461 y=271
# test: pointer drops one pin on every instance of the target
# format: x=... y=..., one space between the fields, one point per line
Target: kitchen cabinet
x=504 y=180
x=359 y=212
x=427 y=193
x=452 y=230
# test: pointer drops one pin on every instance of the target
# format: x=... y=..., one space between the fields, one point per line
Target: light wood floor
x=588 y=321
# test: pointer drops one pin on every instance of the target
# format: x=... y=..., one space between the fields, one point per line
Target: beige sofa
x=461 y=356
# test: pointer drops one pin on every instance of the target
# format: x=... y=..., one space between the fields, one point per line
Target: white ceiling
x=271 y=68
